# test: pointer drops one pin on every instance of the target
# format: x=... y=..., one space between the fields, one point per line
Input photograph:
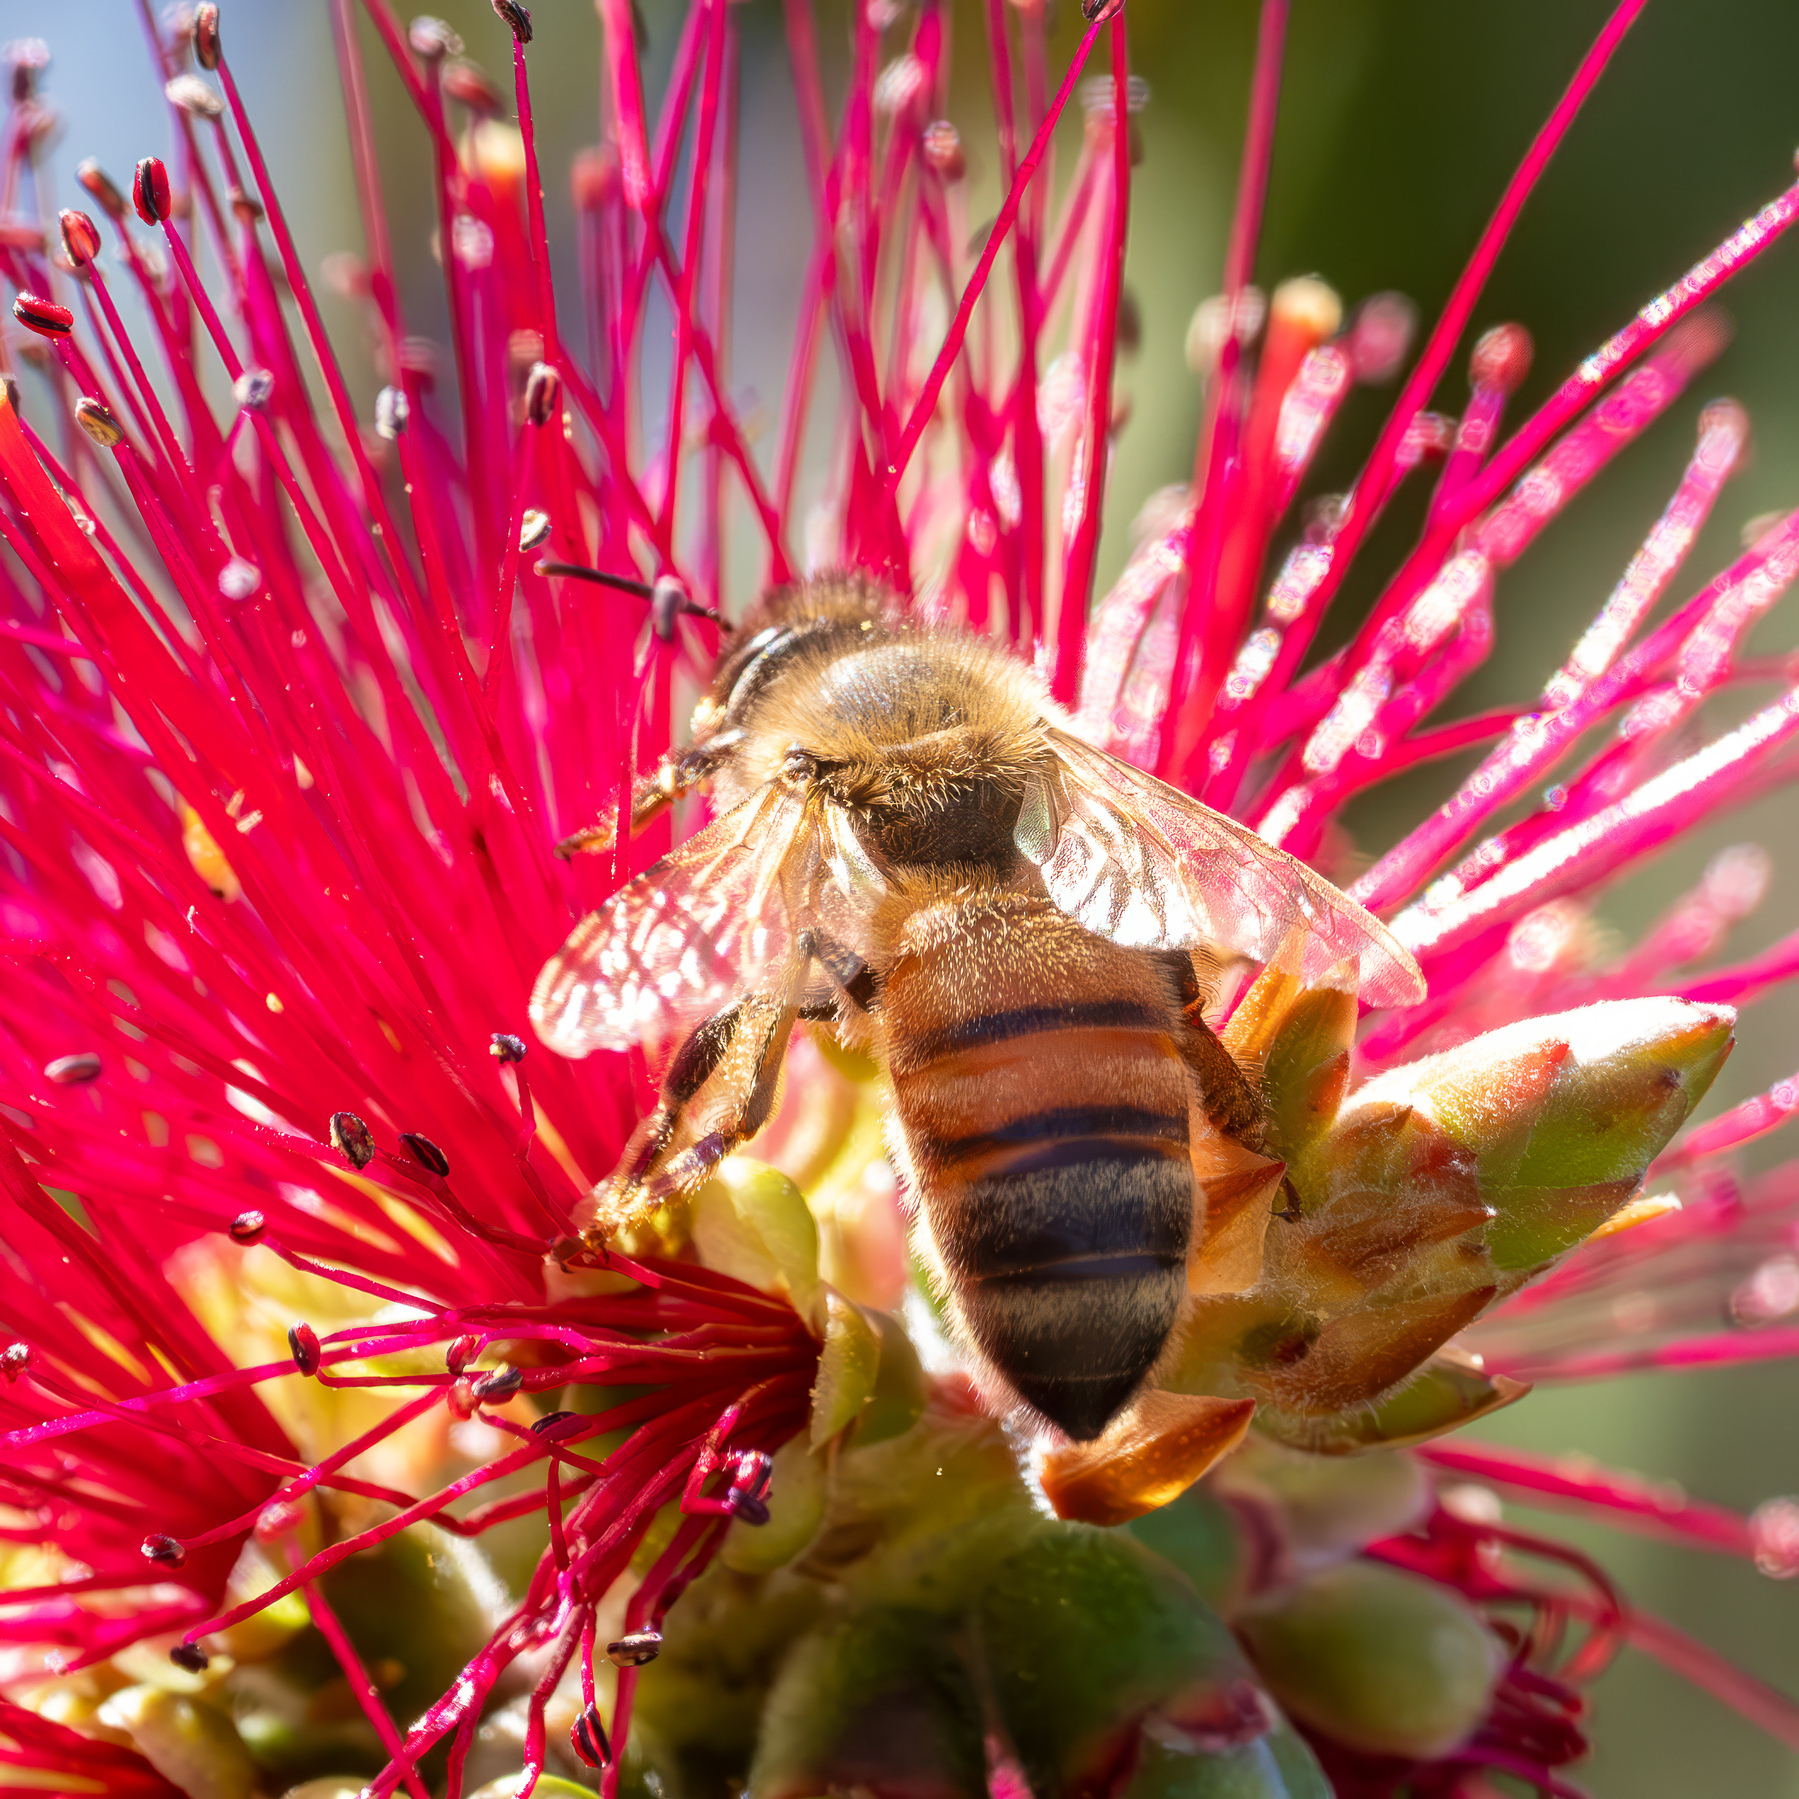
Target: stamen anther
x=424 y=1151
x=303 y=1340
x=150 y=191
x=352 y=1139
x=247 y=1227
x=73 y=1071
x=163 y=1550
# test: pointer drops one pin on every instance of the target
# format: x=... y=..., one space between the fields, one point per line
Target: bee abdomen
x=1070 y=1263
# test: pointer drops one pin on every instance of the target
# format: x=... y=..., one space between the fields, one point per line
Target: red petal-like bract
x=290 y=724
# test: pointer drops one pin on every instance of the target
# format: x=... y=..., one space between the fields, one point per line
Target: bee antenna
x=579 y=571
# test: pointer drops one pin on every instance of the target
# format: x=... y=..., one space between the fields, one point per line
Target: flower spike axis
x=293 y=724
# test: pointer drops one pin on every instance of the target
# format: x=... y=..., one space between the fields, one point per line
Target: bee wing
x=712 y=920
x=1145 y=865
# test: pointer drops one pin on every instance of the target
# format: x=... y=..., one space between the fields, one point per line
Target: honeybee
x=914 y=848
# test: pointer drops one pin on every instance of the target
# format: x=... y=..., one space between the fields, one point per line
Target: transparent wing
x=1145 y=865
x=707 y=923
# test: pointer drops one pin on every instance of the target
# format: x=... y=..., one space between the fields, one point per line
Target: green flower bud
x=1300 y=1038
x=878 y=1702
x=796 y=1508
x=1380 y=1660
x=751 y=1221
x=1563 y=1115
x=421 y=1604
x=1200 y=1535
x=332 y=1786
x=1277 y=1766
x=1090 y=1640
x=1326 y=1507
x=846 y=1368
x=900 y=1390
x=192 y=1744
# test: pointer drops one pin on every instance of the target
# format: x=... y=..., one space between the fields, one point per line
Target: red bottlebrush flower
x=305 y=716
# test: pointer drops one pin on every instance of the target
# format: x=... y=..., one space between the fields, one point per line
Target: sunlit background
x=1400 y=122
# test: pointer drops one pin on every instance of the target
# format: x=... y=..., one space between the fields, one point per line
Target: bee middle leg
x=720 y=1091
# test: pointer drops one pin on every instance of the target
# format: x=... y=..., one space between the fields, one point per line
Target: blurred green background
x=1400 y=122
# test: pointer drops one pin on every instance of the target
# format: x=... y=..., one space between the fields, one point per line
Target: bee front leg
x=674 y=777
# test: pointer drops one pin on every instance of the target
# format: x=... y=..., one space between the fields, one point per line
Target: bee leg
x=675 y=776
x=743 y=1070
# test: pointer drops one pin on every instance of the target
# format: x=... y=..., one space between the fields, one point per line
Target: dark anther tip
x=99 y=423
x=75 y=1070
x=247 y=1227
x=588 y=1738
x=102 y=189
x=352 y=1139
x=303 y=1340
x=43 y=316
x=425 y=1152
x=499 y=1386
x=150 y=191
x=80 y=236
x=207 y=49
x=163 y=1550
x=558 y=1427
x=191 y=1657
x=543 y=388
x=633 y=1651
x=515 y=16
x=505 y=1047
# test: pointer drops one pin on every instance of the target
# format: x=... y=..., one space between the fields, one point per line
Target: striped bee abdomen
x=1049 y=1147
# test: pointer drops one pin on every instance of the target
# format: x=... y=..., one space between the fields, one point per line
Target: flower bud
x=73 y=1071
x=43 y=316
x=1562 y=1115
x=150 y=191
x=1089 y=1638
x=877 y=1703
x=208 y=51
x=99 y=423
x=80 y=236
x=751 y=1221
x=101 y=188
x=1383 y=1661
x=190 y=1742
x=352 y=1139
x=426 y=1154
